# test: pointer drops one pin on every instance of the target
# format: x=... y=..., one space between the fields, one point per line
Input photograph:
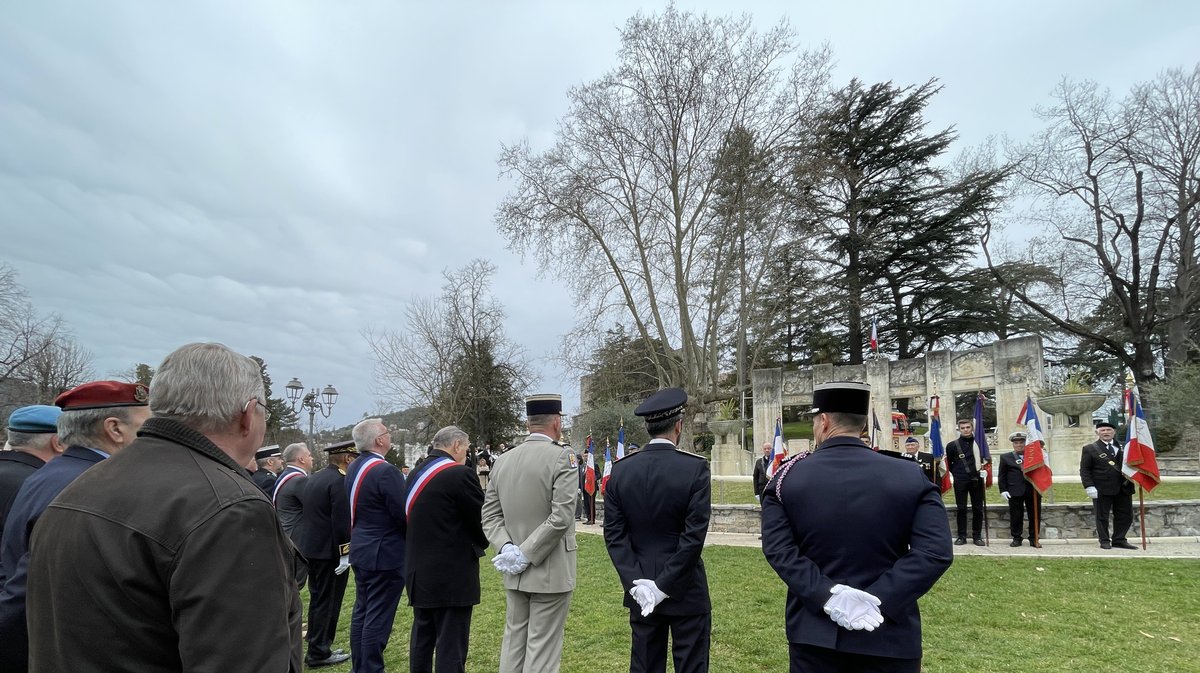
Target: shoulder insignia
x=688 y=453
x=571 y=458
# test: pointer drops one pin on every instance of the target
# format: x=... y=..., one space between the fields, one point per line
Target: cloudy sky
x=279 y=176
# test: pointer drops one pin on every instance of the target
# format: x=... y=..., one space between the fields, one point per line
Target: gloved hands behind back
x=647 y=594
x=853 y=609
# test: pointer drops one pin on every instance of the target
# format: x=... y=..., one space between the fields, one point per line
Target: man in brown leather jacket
x=145 y=562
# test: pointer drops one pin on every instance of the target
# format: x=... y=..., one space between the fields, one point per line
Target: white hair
x=294 y=451
x=365 y=433
x=447 y=436
x=205 y=386
x=36 y=441
x=85 y=427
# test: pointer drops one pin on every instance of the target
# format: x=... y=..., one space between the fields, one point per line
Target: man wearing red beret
x=98 y=419
x=179 y=554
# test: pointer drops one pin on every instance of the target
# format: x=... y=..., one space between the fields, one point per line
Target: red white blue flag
x=935 y=443
x=1138 y=462
x=621 y=442
x=1034 y=465
x=589 y=475
x=777 y=450
x=607 y=469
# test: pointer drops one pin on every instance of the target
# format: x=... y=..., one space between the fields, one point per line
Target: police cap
x=663 y=405
x=268 y=452
x=1016 y=435
x=341 y=447
x=842 y=397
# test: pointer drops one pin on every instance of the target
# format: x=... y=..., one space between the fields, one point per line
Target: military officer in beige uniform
x=529 y=517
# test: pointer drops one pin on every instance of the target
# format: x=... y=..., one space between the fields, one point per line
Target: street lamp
x=302 y=400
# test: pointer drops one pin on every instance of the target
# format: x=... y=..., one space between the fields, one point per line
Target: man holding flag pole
x=1138 y=462
x=589 y=483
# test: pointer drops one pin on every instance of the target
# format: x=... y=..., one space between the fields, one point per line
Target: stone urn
x=1078 y=404
x=726 y=428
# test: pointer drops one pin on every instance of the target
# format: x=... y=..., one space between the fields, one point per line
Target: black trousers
x=1121 y=506
x=589 y=507
x=326 y=591
x=444 y=631
x=812 y=659
x=974 y=489
x=1021 y=507
x=690 y=635
x=376 y=597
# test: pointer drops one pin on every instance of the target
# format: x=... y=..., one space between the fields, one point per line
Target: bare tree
x=453 y=357
x=1119 y=187
x=25 y=335
x=62 y=366
x=623 y=199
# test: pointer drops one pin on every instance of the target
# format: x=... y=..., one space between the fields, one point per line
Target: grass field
x=742 y=493
x=986 y=614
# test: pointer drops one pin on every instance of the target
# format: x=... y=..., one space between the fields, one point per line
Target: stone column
x=937 y=382
x=881 y=400
x=768 y=403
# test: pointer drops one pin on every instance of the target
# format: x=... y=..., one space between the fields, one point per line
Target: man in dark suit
x=1110 y=491
x=269 y=461
x=656 y=512
x=856 y=541
x=441 y=567
x=33 y=438
x=376 y=491
x=967 y=472
x=98 y=419
x=298 y=463
x=1022 y=498
x=760 y=471
x=324 y=540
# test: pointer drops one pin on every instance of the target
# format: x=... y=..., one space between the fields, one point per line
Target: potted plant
x=726 y=422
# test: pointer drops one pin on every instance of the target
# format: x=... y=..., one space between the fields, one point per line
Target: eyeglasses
x=265 y=408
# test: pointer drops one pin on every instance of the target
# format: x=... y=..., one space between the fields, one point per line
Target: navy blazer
x=442 y=567
x=32 y=499
x=846 y=515
x=377 y=512
x=1012 y=475
x=15 y=468
x=656 y=513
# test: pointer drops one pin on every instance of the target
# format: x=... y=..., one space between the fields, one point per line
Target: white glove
x=343 y=565
x=656 y=595
x=983 y=474
x=1005 y=495
x=644 y=597
x=853 y=609
x=510 y=560
x=1092 y=492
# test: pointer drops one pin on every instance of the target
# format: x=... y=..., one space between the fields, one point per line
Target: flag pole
x=1142 y=516
x=987 y=529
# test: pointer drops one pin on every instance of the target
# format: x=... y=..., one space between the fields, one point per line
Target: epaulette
x=688 y=453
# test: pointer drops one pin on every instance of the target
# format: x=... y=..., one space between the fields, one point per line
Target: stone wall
x=1164 y=518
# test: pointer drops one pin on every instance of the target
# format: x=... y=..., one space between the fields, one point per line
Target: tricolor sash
x=283 y=480
x=434 y=468
x=370 y=464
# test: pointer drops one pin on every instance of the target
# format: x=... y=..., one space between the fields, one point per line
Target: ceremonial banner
x=1036 y=470
x=1138 y=462
x=936 y=446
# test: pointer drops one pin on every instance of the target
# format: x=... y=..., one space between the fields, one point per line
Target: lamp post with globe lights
x=313 y=402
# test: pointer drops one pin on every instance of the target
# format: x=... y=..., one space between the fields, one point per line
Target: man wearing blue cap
x=656 y=512
x=33 y=438
x=98 y=419
x=856 y=541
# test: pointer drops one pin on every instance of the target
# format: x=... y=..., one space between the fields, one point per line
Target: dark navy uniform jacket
x=1012 y=475
x=377 y=513
x=31 y=501
x=325 y=516
x=265 y=480
x=656 y=512
x=15 y=467
x=846 y=515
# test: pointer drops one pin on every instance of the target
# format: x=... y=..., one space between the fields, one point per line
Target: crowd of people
x=148 y=528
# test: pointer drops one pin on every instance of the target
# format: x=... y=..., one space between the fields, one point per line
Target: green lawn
x=986 y=614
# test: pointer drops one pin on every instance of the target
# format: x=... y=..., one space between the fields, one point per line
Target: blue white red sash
x=295 y=472
x=371 y=463
x=434 y=468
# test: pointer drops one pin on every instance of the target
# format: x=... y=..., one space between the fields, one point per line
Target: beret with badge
x=35 y=419
x=103 y=395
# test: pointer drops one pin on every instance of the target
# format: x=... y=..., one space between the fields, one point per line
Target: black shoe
x=1105 y=545
x=1035 y=544
x=331 y=660
x=979 y=542
x=961 y=540
x=1015 y=543
x=1123 y=545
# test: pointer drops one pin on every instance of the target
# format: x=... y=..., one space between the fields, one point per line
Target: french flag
x=621 y=442
x=1037 y=472
x=777 y=452
x=589 y=475
x=607 y=469
x=874 y=336
x=1138 y=462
